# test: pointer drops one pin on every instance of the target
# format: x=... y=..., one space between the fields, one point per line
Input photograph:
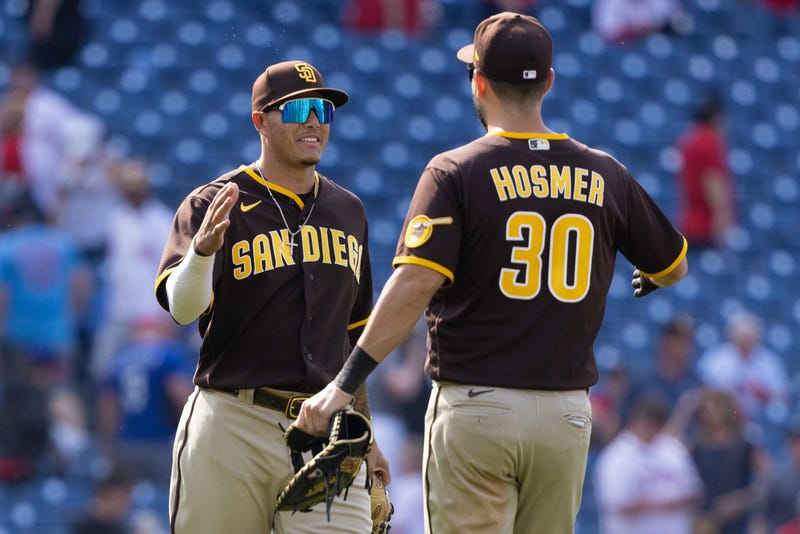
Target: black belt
x=287 y=402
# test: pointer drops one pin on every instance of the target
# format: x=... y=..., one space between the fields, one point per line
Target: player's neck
x=500 y=120
x=297 y=179
x=514 y=125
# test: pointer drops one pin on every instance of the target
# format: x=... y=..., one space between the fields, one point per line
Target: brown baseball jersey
x=281 y=316
x=526 y=227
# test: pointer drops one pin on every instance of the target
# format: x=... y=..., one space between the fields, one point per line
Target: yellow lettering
x=560 y=182
x=338 y=241
x=521 y=181
x=242 y=266
x=580 y=184
x=505 y=189
x=354 y=254
x=597 y=189
x=310 y=243
x=357 y=270
x=539 y=180
x=280 y=245
x=324 y=245
x=262 y=256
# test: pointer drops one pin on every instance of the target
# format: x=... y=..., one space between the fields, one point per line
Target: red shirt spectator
x=411 y=16
x=707 y=208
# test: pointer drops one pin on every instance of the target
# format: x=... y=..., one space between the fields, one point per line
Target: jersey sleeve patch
x=420 y=229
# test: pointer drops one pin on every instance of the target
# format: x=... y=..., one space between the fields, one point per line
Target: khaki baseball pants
x=229 y=465
x=504 y=461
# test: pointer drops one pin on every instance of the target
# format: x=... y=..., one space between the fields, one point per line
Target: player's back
x=541 y=220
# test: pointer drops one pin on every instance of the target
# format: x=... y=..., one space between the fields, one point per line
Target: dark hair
x=20 y=206
x=650 y=406
x=680 y=325
x=708 y=108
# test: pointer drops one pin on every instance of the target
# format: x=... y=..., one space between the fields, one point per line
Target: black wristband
x=355 y=370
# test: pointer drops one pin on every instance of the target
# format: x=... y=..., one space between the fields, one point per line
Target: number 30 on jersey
x=565 y=284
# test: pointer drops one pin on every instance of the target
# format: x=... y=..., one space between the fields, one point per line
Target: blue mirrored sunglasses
x=297 y=111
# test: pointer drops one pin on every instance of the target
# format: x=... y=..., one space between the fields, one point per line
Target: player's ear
x=551 y=78
x=480 y=83
x=258 y=120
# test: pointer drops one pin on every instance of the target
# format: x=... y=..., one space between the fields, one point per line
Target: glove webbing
x=297 y=456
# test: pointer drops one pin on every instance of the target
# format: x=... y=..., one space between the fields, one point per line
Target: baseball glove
x=335 y=464
x=382 y=507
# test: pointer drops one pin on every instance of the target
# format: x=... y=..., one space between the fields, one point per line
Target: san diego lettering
x=272 y=251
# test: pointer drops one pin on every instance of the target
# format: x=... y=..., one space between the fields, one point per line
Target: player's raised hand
x=211 y=235
x=316 y=412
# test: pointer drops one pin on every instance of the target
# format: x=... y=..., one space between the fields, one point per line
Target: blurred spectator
x=24 y=423
x=51 y=150
x=12 y=174
x=625 y=20
x=781 y=7
x=109 y=507
x=141 y=399
x=136 y=233
x=41 y=286
x=707 y=191
x=608 y=396
x=413 y=17
x=405 y=491
x=673 y=372
x=782 y=486
x=86 y=196
x=731 y=467
x=644 y=479
x=57 y=30
x=745 y=366
x=74 y=446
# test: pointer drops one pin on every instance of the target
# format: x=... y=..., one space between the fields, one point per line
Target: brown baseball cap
x=289 y=80
x=510 y=47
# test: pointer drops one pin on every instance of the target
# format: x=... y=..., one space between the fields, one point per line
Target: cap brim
x=467 y=53
x=338 y=97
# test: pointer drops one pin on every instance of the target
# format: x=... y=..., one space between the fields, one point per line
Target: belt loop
x=246 y=395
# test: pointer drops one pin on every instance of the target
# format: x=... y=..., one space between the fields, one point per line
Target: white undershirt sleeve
x=190 y=287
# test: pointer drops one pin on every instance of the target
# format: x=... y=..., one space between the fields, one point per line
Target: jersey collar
x=282 y=190
x=526 y=135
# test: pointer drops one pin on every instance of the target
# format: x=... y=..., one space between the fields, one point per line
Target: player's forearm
x=673 y=276
x=361 y=400
x=190 y=286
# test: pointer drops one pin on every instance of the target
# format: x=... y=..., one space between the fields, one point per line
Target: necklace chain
x=292 y=244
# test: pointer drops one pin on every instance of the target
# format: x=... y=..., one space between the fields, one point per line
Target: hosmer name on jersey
x=553 y=181
x=272 y=250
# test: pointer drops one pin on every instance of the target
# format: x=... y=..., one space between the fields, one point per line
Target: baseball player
x=272 y=258
x=509 y=247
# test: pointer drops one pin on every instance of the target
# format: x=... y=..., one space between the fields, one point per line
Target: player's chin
x=310 y=161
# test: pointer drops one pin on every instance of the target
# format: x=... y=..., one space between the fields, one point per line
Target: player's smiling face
x=296 y=144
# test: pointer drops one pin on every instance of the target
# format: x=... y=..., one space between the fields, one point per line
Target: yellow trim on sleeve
x=673 y=265
x=353 y=326
x=161 y=278
x=413 y=260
